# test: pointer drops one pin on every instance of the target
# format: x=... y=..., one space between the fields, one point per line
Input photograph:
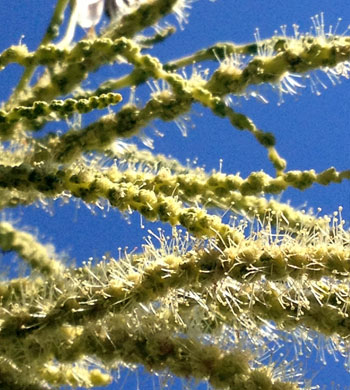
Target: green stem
x=51 y=33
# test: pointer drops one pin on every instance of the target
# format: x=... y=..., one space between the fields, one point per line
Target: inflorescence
x=206 y=302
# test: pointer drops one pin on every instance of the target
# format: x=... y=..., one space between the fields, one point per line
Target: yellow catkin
x=233 y=271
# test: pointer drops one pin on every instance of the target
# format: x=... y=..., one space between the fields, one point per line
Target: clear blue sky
x=312 y=131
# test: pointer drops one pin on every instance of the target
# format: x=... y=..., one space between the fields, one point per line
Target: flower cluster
x=235 y=274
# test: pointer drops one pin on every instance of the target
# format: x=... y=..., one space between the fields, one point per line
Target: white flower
x=118 y=8
x=89 y=12
x=340 y=70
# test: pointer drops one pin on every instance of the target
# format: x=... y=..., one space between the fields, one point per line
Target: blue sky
x=312 y=131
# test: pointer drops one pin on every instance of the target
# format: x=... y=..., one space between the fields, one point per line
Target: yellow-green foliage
x=206 y=302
